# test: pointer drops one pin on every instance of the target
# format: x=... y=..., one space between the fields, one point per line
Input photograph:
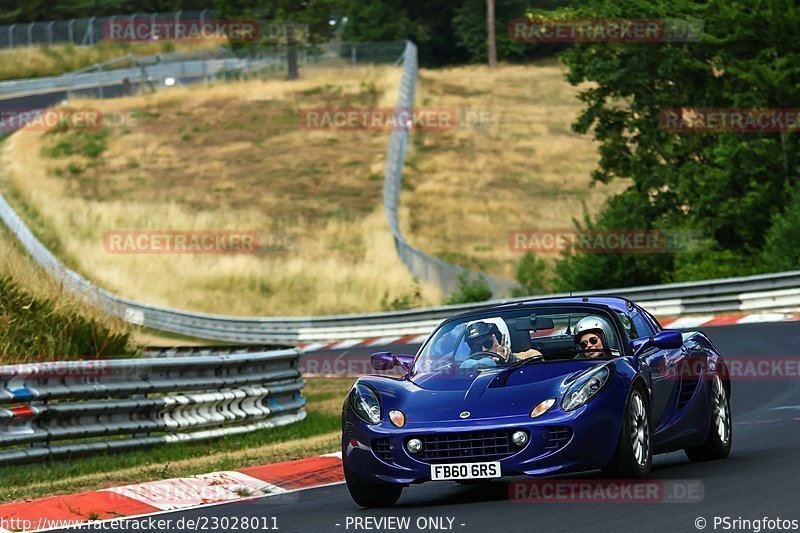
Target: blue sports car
x=535 y=388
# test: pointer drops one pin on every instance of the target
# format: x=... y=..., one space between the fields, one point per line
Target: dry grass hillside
x=230 y=157
x=511 y=163
x=235 y=157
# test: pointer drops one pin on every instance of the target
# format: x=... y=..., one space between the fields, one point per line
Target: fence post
x=50 y=33
x=30 y=34
x=71 y=31
x=88 y=37
x=11 y=35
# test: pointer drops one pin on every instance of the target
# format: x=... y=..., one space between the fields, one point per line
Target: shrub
x=471 y=288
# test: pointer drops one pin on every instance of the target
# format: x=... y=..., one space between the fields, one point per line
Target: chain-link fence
x=131 y=74
x=426 y=267
x=84 y=31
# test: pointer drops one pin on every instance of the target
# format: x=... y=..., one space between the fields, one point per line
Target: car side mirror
x=667 y=339
x=406 y=361
x=387 y=361
x=382 y=361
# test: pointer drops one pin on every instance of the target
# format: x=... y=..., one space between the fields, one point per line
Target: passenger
x=592 y=334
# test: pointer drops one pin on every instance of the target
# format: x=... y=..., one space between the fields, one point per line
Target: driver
x=485 y=337
x=592 y=334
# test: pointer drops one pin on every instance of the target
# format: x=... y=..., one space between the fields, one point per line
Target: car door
x=660 y=367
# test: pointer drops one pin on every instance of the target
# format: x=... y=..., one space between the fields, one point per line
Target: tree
x=470 y=27
x=531 y=276
x=724 y=185
x=428 y=24
x=471 y=288
x=490 y=38
x=316 y=15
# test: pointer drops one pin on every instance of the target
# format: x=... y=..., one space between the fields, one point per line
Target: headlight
x=585 y=388
x=542 y=408
x=365 y=403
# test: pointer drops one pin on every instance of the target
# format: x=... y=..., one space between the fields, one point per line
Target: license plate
x=465 y=471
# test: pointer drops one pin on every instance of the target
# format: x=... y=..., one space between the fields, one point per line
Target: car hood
x=426 y=398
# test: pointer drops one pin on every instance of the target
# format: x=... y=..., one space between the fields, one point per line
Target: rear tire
x=720 y=436
x=371 y=495
x=634 y=455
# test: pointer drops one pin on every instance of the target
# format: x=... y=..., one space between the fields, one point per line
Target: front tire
x=634 y=456
x=720 y=436
x=371 y=495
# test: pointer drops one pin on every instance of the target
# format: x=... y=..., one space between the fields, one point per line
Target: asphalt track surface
x=761 y=478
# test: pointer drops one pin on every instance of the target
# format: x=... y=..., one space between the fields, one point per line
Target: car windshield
x=530 y=336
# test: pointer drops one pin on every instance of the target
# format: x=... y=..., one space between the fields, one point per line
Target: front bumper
x=594 y=433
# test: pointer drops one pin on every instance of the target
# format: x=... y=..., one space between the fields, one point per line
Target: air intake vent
x=690 y=372
x=558 y=437
x=382 y=449
x=469 y=446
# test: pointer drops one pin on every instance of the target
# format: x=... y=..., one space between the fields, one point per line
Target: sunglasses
x=591 y=340
x=483 y=344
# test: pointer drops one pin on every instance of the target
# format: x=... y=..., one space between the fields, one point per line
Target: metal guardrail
x=152 y=68
x=201 y=64
x=424 y=266
x=771 y=291
x=84 y=407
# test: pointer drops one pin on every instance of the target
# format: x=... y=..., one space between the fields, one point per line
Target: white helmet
x=596 y=324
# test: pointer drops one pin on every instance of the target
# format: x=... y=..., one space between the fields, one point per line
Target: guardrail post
x=41 y=405
x=100 y=86
x=139 y=397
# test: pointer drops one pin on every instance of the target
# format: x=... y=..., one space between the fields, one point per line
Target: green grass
x=34 y=329
x=67 y=142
